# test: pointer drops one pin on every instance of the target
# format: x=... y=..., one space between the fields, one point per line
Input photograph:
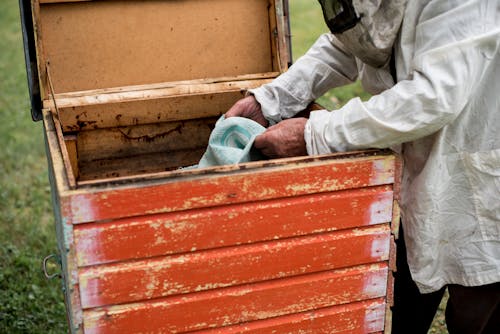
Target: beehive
x=129 y=91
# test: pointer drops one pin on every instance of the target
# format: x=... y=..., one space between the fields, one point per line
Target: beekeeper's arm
x=326 y=65
x=449 y=59
x=447 y=69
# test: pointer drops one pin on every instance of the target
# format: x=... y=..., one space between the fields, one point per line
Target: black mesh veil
x=339 y=15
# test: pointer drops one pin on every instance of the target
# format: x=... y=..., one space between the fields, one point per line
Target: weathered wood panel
x=153 y=103
x=161 y=89
x=139 y=164
x=129 y=141
x=245 y=186
x=359 y=317
x=140 y=42
x=135 y=112
x=60 y=1
x=172 y=233
x=223 y=307
x=64 y=228
x=228 y=266
x=71 y=147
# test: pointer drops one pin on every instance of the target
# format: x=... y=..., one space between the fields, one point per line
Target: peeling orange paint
x=230 y=306
x=227 y=266
x=272 y=249
x=236 y=224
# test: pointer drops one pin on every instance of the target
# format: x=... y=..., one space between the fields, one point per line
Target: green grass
x=28 y=302
x=307 y=24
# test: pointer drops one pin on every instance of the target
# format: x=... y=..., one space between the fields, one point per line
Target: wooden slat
x=360 y=317
x=63 y=151
x=225 y=169
x=154 y=278
x=134 y=112
x=274 y=29
x=129 y=141
x=153 y=103
x=71 y=146
x=154 y=90
x=139 y=164
x=230 y=225
x=223 y=307
x=60 y=1
x=231 y=187
x=64 y=228
x=282 y=37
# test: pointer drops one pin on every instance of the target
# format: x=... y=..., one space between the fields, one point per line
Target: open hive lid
x=78 y=48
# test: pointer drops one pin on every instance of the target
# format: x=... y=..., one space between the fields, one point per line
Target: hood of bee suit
x=372 y=38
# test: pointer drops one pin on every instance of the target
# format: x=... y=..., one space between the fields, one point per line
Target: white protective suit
x=444 y=109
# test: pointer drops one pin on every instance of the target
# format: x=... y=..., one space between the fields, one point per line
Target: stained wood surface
x=135 y=112
x=140 y=42
x=135 y=150
x=64 y=228
x=61 y=1
x=173 y=233
x=198 y=271
x=122 y=142
x=137 y=165
x=222 y=307
x=358 y=317
x=158 y=89
x=71 y=146
x=153 y=103
x=244 y=186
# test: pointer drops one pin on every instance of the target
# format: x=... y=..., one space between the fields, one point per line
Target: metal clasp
x=56 y=258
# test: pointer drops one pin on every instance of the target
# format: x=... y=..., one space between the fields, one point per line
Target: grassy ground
x=28 y=302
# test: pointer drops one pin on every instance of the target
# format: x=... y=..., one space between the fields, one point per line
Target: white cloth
x=444 y=109
x=231 y=142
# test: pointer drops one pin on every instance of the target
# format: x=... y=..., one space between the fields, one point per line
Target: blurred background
x=29 y=303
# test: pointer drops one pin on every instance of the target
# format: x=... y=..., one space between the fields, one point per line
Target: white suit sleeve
x=324 y=66
x=448 y=63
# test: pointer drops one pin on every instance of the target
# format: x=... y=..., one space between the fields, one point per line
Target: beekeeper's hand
x=248 y=107
x=285 y=139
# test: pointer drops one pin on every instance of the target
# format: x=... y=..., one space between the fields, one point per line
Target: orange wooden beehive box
x=129 y=91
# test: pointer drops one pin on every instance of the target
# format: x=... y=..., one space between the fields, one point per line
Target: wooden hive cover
x=101 y=44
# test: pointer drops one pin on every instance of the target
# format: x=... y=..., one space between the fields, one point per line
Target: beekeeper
x=433 y=68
